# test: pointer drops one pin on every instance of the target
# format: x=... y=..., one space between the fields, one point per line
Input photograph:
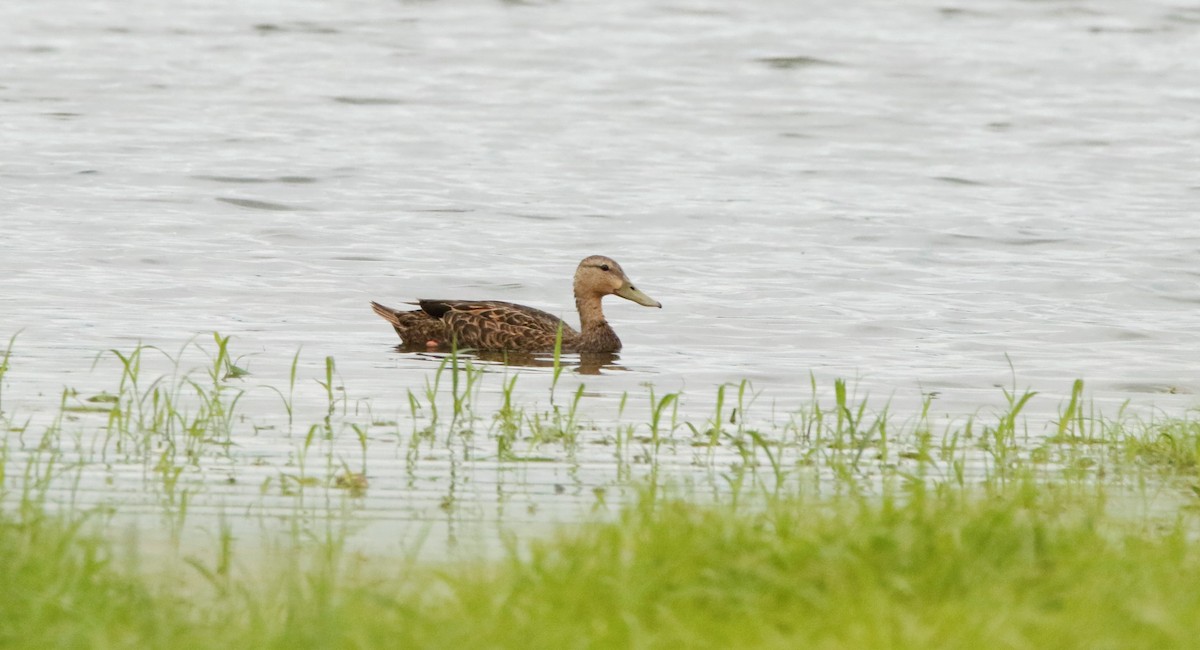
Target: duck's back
x=498 y=325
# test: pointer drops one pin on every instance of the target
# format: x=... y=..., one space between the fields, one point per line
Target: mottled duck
x=495 y=325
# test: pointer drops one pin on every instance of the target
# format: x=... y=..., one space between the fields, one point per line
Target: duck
x=504 y=326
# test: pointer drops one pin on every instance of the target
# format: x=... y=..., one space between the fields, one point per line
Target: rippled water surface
x=921 y=197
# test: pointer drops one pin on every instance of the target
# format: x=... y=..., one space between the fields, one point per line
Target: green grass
x=833 y=525
x=61 y=590
x=1172 y=446
x=1025 y=566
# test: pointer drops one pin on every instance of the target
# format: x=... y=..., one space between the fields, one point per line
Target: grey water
x=927 y=198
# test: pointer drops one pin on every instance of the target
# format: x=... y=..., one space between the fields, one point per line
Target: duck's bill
x=628 y=292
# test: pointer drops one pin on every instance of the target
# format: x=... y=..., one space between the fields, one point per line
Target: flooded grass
x=1025 y=565
x=834 y=523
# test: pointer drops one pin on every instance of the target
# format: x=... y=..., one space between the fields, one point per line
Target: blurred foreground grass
x=1025 y=565
x=836 y=527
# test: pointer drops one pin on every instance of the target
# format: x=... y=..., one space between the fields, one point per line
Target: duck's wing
x=496 y=325
x=496 y=311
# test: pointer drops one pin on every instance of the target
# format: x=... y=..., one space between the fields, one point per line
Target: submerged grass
x=1024 y=567
x=1019 y=566
x=834 y=527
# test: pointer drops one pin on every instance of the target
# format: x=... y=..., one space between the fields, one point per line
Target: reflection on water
x=590 y=363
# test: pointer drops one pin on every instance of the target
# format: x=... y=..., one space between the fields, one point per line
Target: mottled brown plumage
x=495 y=325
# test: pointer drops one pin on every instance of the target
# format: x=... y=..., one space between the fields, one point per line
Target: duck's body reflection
x=585 y=363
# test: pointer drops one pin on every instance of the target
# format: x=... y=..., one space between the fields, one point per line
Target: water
x=923 y=197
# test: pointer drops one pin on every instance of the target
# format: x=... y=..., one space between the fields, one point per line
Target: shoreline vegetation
x=836 y=524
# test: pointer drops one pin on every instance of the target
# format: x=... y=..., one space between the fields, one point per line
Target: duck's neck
x=591 y=314
x=595 y=335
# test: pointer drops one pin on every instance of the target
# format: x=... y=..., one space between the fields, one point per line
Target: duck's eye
x=603 y=267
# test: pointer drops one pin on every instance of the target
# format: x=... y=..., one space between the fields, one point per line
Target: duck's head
x=600 y=276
